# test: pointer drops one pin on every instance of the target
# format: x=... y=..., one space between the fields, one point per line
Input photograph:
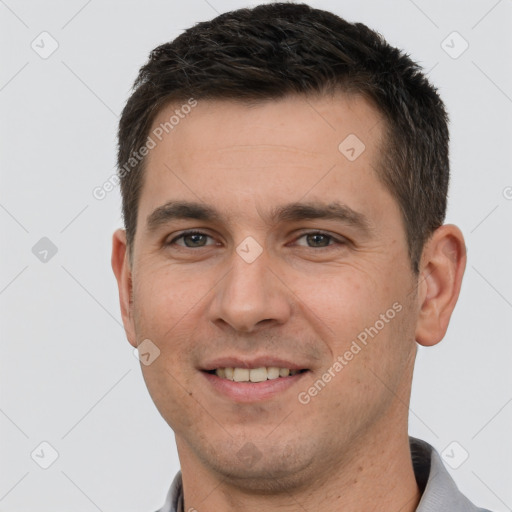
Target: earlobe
x=442 y=268
x=122 y=271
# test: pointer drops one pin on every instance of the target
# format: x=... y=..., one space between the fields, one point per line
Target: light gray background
x=69 y=376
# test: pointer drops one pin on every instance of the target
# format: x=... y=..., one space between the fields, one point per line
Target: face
x=297 y=260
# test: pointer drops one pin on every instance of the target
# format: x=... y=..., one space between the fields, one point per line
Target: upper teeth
x=254 y=374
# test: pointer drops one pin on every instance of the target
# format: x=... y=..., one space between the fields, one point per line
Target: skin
x=304 y=299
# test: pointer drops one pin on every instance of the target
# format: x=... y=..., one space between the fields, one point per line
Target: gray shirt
x=439 y=492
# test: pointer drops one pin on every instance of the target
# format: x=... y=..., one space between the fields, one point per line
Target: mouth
x=244 y=381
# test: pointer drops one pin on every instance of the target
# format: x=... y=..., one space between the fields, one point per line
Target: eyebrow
x=180 y=210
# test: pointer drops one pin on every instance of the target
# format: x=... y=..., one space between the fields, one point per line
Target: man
x=284 y=177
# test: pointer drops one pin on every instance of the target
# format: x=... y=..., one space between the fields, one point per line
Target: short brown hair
x=279 y=49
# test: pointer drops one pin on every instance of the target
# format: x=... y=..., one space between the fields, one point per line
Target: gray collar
x=440 y=493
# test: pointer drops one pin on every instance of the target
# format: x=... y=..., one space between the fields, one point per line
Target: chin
x=269 y=470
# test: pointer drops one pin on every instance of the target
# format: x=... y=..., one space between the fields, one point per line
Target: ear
x=123 y=272
x=442 y=267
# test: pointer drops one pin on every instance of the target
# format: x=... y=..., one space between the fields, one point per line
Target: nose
x=251 y=296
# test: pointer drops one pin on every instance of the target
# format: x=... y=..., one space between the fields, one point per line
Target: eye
x=314 y=240
x=191 y=239
x=318 y=239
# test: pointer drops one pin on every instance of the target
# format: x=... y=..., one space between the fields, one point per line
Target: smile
x=249 y=385
x=254 y=374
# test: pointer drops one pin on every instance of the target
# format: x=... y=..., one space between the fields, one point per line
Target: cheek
x=368 y=325
x=346 y=303
x=172 y=393
x=164 y=309
x=369 y=374
x=165 y=300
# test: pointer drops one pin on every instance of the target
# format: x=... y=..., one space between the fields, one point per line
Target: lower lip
x=252 y=391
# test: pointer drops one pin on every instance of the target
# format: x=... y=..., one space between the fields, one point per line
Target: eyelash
x=192 y=232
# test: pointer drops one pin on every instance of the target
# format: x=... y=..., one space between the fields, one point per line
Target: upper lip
x=256 y=362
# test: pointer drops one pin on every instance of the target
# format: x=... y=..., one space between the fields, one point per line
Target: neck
x=377 y=475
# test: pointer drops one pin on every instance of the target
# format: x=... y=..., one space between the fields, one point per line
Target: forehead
x=314 y=125
x=226 y=153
